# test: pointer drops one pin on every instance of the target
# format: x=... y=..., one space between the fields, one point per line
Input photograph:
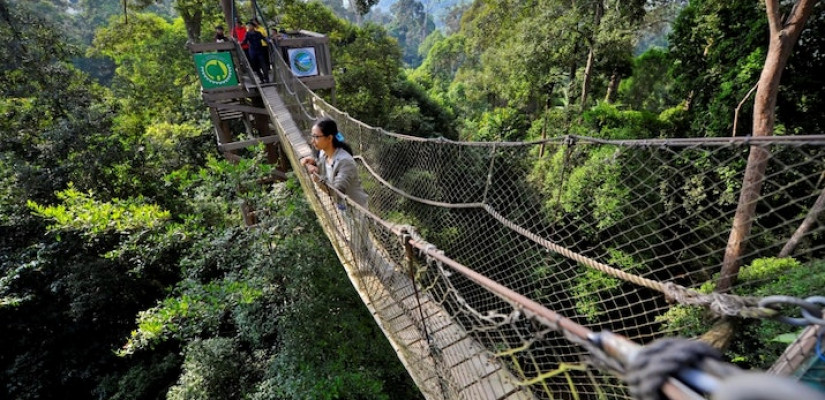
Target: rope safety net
x=619 y=236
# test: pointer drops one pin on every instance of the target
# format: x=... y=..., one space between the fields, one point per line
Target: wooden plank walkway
x=452 y=365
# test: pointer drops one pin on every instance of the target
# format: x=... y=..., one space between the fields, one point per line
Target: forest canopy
x=126 y=271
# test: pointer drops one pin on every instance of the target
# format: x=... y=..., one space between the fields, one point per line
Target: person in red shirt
x=239 y=33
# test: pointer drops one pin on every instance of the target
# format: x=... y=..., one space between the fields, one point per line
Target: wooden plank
x=325 y=38
x=460 y=350
x=247 y=143
x=231 y=115
x=209 y=47
x=301 y=41
x=237 y=92
x=495 y=387
x=239 y=107
x=318 y=82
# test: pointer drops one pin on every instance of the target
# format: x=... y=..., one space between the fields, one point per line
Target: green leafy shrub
x=609 y=122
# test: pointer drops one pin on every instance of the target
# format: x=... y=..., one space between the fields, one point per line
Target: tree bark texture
x=782 y=39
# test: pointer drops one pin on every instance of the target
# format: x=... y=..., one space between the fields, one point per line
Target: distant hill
x=436 y=8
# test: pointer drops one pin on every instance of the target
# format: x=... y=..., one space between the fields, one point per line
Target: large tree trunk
x=192 y=19
x=591 y=54
x=782 y=40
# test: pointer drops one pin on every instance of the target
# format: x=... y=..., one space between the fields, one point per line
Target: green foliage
x=443 y=60
x=501 y=124
x=764 y=269
x=212 y=369
x=410 y=26
x=609 y=122
x=649 y=86
x=417 y=114
x=716 y=47
x=81 y=212
x=592 y=188
x=146 y=377
x=153 y=66
x=203 y=304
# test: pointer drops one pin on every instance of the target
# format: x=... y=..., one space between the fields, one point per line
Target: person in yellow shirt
x=262 y=29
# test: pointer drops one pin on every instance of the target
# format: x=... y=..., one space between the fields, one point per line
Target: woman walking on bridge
x=335 y=165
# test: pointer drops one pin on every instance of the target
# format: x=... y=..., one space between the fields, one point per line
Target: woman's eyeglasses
x=315 y=137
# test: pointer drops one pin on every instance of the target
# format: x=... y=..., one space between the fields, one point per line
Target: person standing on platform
x=239 y=33
x=219 y=36
x=260 y=28
x=258 y=54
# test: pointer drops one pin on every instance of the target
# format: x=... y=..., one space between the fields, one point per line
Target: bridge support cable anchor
x=676 y=369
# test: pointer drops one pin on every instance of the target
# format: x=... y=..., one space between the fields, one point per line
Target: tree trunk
x=813 y=214
x=591 y=54
x=612 y=87
x=782 y=40
x=192 y=21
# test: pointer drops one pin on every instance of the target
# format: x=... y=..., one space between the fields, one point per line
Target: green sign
x=216 y=70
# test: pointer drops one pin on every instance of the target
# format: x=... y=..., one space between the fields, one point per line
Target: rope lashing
x=719 y=303
x=653 y=364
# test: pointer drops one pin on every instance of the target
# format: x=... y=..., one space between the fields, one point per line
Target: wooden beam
x=301 y=41
x=224 y=94
x=318 y=82
x=222 y=131
x=246 y=143
x=238 y=107
x=230 y=115
x=208 y=47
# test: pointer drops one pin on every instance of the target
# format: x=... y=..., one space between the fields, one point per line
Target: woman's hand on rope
x=311 y=167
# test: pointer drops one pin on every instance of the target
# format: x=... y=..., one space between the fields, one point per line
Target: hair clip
x=339 y=136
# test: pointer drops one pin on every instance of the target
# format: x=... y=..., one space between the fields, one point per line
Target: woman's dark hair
x=328 y=127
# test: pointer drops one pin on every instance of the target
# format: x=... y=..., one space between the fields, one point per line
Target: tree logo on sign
x=216 y=71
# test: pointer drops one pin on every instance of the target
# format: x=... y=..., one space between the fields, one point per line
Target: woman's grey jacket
x=343 y=175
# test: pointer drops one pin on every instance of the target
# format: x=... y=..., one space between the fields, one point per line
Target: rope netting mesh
x=609 y=234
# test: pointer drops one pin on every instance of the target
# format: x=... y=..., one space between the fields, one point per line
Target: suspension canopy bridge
x=565 y=268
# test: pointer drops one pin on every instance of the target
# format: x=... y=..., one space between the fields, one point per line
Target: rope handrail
x=722 y=304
